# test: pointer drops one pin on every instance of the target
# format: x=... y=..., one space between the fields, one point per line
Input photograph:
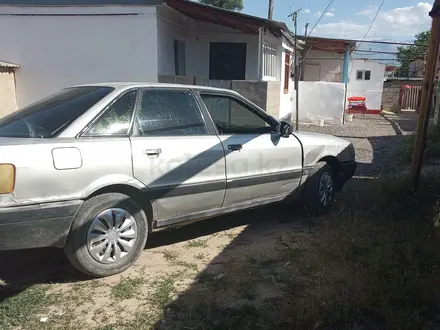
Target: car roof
x=127 y=85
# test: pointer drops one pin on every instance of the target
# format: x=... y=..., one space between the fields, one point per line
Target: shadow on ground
x=371 y=264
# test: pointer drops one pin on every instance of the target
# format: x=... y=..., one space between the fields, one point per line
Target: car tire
x=319 y=189
x=107 y=236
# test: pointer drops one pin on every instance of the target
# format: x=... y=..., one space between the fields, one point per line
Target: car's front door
x=176 y=155
x=260 y=164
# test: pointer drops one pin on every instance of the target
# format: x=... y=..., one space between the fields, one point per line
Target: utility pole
x=294 y=16
x=428 y=82
x=270 y=14
x=307 y=27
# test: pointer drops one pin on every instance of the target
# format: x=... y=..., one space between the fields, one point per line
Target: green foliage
x=406 y=55
x=225 y=4
x=432 y=150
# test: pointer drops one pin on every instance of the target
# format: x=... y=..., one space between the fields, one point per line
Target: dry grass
x=372 y=264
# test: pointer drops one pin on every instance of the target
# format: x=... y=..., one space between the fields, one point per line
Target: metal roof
x=403 y=79
x=238 y=21
x=328 y=44
x=8 y=65
x=81 y=2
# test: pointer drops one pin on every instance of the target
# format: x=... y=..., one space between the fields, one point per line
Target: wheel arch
x=138 y=195
x=333 y=162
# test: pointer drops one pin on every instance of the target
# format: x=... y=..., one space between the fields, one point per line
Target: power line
x=372 y=22
x=369 y=41
x=322 y=15
x=314 y=26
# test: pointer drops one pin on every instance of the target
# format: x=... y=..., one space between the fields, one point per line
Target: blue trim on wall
x=346 y=66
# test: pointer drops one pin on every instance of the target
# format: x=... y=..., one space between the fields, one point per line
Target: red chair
x=357 y=104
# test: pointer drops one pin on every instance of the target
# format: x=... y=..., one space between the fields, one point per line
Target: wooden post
x=428 y=81
x=270 y=14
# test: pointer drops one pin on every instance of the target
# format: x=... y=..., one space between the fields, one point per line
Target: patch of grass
x=107 y=327
x=187 y=265
x=141 y=321
x=170 y=255
x=200 y=256
x=163 y=289
x=127 y=288
x=197 y=244
x=20 y=309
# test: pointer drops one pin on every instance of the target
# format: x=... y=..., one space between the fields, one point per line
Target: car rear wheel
x=319 y=189
x=107 y=236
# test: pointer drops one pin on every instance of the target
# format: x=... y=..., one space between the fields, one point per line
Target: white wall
x=323 y=66
x=58 y=51
x=371 y=89
x=171 y=25
x=320 y=100
x=200 y=36
x=7 y=93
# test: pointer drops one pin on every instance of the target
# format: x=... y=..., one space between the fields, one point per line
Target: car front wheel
x=319 y=189
x=107 y=236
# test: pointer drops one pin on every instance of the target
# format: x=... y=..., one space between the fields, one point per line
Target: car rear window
x=50 y=116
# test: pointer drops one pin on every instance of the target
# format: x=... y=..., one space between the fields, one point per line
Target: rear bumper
x=345 y=173
x=42 y=225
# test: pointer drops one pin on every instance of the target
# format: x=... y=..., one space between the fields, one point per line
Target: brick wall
x=390 y=99
x=265 y=94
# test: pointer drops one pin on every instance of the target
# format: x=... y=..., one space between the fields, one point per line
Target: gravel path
x=374 y=137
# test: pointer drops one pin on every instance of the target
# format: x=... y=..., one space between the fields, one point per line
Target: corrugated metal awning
x=8 y=65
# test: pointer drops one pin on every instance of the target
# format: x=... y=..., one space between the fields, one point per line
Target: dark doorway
x=227 y=61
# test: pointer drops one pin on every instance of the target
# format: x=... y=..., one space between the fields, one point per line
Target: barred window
x=269 y=59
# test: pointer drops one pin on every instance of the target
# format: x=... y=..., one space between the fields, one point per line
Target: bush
x=432 y=150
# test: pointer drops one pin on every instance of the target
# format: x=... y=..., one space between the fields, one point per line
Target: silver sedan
x=95 y=169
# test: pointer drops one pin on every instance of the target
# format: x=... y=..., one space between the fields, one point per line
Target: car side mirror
x=286 y=129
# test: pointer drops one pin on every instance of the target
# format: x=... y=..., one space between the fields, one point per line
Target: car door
x=260 y=164
x=176 y=154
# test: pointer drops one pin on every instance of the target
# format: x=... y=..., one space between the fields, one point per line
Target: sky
x=398 y=20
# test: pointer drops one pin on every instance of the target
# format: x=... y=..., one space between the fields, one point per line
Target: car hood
x=317 y=146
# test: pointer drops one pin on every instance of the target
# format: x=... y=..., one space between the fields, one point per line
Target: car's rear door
x=176 y=154
x=260 y=164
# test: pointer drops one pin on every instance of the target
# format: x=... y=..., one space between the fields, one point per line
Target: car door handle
x=153 y=152
x=235 y=147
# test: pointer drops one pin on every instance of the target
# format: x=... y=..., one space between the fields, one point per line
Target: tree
x=408 y=54
x=225 y=4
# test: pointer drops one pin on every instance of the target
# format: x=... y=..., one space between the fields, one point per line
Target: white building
x=322 y=89
x=56 y=44
x=330 y=76
x=366 y=79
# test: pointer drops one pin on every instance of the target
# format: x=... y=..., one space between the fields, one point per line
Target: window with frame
x=116 y=119
x=269 y=59
x=286 y=72
x=367 y=75
x=231 y=116
x=359 y=75
x=169 y=113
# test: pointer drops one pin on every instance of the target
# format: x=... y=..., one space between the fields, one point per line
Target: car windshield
x=48 y=117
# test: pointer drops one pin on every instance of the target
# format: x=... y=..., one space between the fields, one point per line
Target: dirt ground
x=213 y=274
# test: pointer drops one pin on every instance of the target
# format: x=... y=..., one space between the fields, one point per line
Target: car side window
x=231 y=116
x=169 y=112
x=116 y=119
